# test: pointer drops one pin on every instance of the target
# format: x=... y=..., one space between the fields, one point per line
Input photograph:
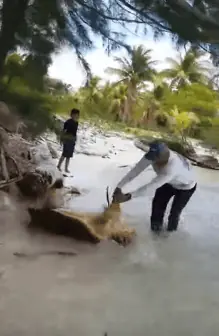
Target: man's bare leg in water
x=67 y=161
x=61 y=160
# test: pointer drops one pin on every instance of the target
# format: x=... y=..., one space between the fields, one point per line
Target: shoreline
x=99 y=141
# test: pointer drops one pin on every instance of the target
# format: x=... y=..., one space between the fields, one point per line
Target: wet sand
x=158 y=286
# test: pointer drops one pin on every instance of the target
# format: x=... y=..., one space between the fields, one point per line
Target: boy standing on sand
x=69 y=138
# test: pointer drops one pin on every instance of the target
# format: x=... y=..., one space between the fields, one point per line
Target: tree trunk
x=130 y=101
x=125 y=114
x=13 y=17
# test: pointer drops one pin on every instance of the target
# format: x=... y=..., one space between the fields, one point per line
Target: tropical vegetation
x=142 y=97
x=181 y=100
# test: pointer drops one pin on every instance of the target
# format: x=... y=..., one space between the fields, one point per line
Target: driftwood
x=17 y=164
x=4 y=165
x=7 y=180
x=10 y=148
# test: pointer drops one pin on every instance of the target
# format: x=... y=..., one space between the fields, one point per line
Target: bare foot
x=59 y=168
x=67 y=171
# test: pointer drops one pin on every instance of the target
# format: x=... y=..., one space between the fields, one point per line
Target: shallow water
x=158 y=286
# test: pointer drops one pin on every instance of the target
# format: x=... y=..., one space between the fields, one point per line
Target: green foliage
x=194 y=98
x=13 y=67
x=34 y=107
x=142 y=93
x=133 y=71
x=210 y=134
x=135 y=68
x=187 y=69
x=24 y=68
x=183 y=112
x=181 y=122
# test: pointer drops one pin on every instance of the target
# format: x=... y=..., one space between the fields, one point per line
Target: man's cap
x=156 y=150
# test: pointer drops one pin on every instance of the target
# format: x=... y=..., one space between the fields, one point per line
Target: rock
x=34 y=185
x=45 y=175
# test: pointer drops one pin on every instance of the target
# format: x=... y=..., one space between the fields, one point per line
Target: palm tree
x=153 y=111
x=133 y=71
x=118 y=100
x=186 y=70
x=91 y=91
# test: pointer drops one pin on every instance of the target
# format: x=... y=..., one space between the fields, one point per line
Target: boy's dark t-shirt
x=71 y=127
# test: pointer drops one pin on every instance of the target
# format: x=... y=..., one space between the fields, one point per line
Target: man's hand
x=116 y=195
x=119 y=197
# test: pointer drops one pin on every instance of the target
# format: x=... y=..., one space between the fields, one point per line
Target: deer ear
x=107 y=196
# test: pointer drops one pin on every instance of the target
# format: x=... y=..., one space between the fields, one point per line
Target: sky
x=66 y=67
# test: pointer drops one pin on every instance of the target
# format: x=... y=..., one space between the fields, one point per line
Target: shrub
x=210 y=135
x=35 y=108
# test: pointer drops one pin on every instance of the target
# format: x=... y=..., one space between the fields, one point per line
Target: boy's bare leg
x=67 y=161
x=61 y=160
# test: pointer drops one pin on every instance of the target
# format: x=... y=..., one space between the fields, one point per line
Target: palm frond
x=116 y=71
x=122 y=61
x=172 y=61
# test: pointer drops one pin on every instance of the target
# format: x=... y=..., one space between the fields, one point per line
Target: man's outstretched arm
x=155 y=183
x=134 y=172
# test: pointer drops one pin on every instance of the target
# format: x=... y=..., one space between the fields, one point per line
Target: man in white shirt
x=174 y=179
